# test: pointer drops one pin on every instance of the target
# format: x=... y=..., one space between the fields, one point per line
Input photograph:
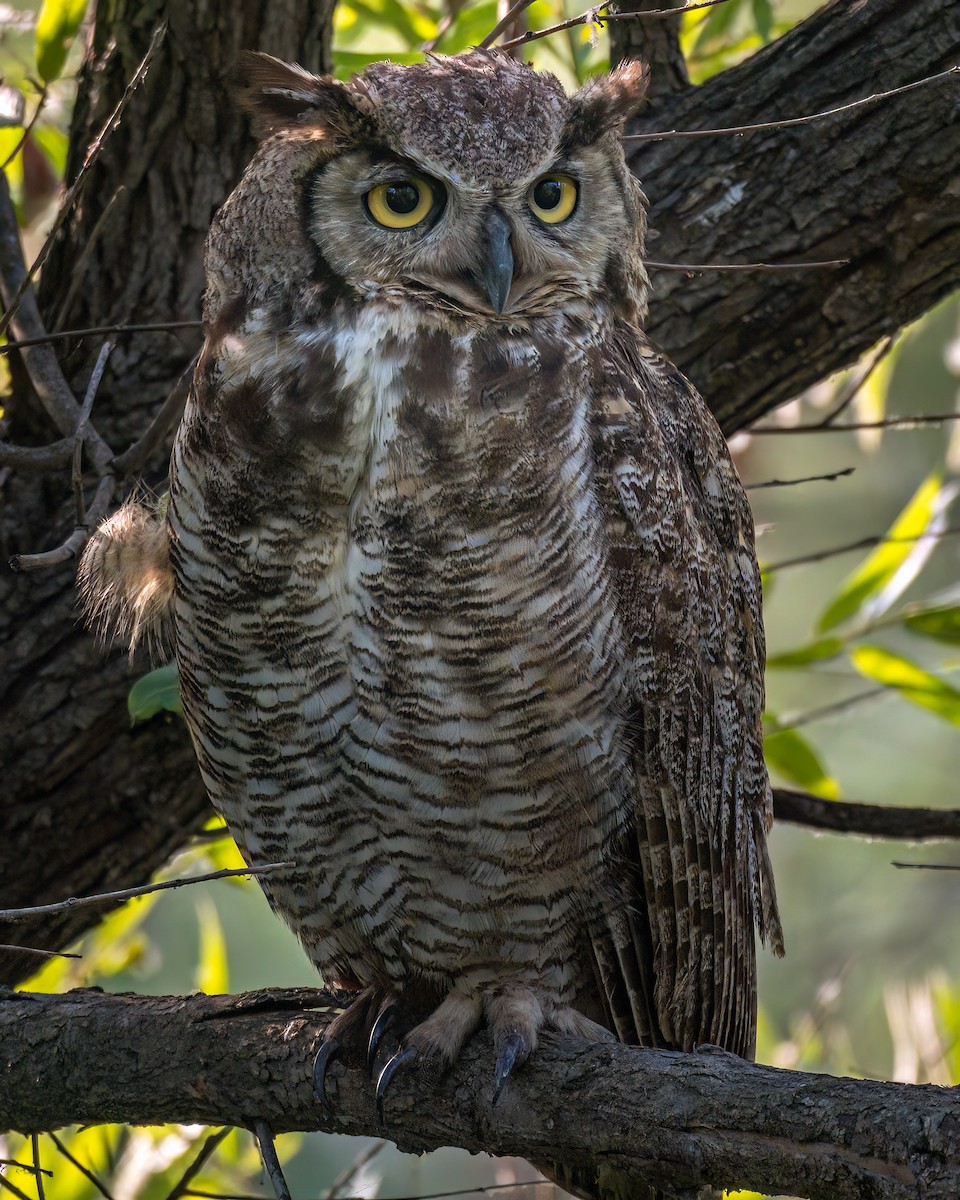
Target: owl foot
x=327 y=1052
x=343 y=1030
x=402 y=1058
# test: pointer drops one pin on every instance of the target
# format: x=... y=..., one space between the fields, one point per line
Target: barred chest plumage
x=396 y=637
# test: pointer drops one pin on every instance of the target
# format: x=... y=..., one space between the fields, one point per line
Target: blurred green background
x=871 y=982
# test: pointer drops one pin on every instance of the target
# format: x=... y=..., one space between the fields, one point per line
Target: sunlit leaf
x=818 y=651
x=157 y=692
x=212 y=974
x=791 y=756
x=912 y=681
x=54 y=143
x=57 y=24
x=894 y=562
x=942 y=624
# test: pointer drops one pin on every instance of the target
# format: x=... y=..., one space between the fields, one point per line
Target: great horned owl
x=467 y=609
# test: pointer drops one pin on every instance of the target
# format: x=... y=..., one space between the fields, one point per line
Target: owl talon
x=402 y=1058
x=383 y=1022
x=513 y=1050
x=327 y=1051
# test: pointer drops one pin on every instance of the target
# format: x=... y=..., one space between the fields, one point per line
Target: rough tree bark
x=677 y=1121
x=91 y=804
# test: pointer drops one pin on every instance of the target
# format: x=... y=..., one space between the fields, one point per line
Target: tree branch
x=674 y=1120
x=872 y=185
x=866 y=820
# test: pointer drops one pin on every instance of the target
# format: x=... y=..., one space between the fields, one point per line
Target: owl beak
x=497 y=273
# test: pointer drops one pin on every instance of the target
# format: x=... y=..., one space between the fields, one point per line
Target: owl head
x=470 y=184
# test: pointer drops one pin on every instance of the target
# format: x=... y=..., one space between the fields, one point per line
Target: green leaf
x=792 y=756
x=763 y=16
x=883 y=564
x=824 y=648
x=212 y=975
x=157 y=692
x=57 y=25
x=917 y=685
x=943 y=624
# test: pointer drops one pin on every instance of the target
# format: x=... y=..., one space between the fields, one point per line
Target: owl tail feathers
x=125 y=579
x=607 y=1183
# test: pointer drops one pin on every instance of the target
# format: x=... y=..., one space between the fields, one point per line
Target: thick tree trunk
x=90 y=804
x=675 y=1120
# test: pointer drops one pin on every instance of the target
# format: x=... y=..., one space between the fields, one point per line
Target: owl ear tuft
x=283 y=95
x=604 y=103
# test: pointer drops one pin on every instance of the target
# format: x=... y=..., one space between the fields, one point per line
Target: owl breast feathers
x=466 y=609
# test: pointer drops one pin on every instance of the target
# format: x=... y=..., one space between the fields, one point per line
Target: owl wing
x=675 y=959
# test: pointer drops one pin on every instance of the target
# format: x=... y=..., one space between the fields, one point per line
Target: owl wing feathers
x=676 y=956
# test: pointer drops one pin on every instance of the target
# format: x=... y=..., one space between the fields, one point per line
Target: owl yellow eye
x=402 y=204
x=553 y=198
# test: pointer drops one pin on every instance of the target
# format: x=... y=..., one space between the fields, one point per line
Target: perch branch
x=673 y=1120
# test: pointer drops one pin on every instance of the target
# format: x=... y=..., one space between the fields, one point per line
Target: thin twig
x=861 y=544
x=27 y=130
x=34 y=950
x=133 y=458
x=97 y=1183
x=851 y=426
x=39 y=359
x=349 y=1174
x=93 y=153
x=830 y=710
x=28 y=1167
x=770 y=483
x=23 y=914
x=505 y=21
x=593 y=16
x=268 y=1152
x=12 y=1187
x=99 y=331
x=849 y=393
x=867 y=820
x=38 y=1173
x=208 y=1147
x=926 y=866
x=758 y=266
x=78 y=267
x=76 y=541
x=475 y=1191
x=90 y=395
x=634 y=138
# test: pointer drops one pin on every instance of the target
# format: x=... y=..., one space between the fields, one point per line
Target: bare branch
x=12 y=1187
x=93 y=153
x=37 y=1169
x=861 y=544
x=926 y=866
x=134 y=457
x=209 y=1146
x=758 y=266
x=23 y=914
x=635 y=138
x=866 y=820
x=97 y=1182
x=268 y=1152
x=850 y=391
x=98 y=331
x=76 y=541
x=78 y=435
x=918 y=422
x=505 y=22
x=34 y=950
x=676 y=1121
x=36 y=458
x=770 y=483
x=349 y=1174
x=593 y=16
x=27 y=130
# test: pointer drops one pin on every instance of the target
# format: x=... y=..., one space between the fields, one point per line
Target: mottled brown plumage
x=467 y=608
